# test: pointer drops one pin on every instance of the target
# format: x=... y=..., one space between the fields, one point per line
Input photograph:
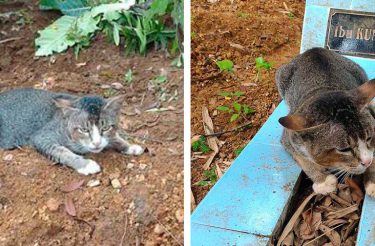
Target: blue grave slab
x=213 y=236
x=271 y=131
x=252 y=194
x=366 y=234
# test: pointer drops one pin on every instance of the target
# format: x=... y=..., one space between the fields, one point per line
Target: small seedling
x=200 y=145
x=225 y=65
x=193 y=35
x=243 y=15
x=210 y=178
x=262 y=64
x=110 y=92
x=236 y=109
x=129 y=77
x=291 y=15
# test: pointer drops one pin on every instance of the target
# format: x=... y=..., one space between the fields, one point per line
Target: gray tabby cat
x=61 y=126
x=330 y=127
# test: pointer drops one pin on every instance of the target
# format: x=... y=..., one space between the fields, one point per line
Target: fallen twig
x=227 y=131
x=125 y=229
x=9 y=40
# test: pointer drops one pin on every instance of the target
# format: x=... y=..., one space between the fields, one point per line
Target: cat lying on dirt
x=62 y=126
x=330 y=128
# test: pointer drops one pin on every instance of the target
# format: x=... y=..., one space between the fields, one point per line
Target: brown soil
x=240 y=31
x=151 y=195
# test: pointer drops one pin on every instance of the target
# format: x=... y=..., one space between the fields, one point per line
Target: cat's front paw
x=370 y=189
x=329 y=185
x=90 y=167
x=134 y=149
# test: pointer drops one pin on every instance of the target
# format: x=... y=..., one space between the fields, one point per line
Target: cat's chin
x=96 y=150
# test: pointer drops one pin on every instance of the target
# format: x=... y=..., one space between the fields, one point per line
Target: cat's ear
x=114 y=103
x=65 y=105
x=294 y=122
x=365 y=93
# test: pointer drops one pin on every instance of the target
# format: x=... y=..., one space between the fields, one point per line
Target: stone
x=116 y=183
x=52 y=204
x=93 y=183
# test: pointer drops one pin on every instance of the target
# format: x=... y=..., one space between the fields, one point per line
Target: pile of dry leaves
x=330 y=220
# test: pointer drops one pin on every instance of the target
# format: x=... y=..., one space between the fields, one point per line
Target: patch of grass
x=210 y=178
x=225 y=65
x=200 y=145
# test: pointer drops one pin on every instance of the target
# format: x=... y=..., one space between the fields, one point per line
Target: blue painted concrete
x=246 y=203
x=212 y=236
x=252 y=194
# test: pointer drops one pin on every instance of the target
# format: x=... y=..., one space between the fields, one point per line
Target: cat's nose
x=367 y=162
x=96 y=144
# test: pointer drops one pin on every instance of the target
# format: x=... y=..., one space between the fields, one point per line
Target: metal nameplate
x=351 y=33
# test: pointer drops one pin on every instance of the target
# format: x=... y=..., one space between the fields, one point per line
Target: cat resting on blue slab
x=62 y=126
x=330 y=127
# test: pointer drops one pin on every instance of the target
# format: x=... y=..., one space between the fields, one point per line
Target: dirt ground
x=148 y=208
x=239 y=31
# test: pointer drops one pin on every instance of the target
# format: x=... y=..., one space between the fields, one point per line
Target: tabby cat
x=330 y=128
x=62 y=126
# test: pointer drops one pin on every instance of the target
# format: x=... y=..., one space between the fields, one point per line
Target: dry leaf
x=212 y=141
x=72 y=186
x=357 y=193
x=331 y=234
x=193 y=204
x=218 y=171
x=69 y=207
x=288 y=241
x=294 y=218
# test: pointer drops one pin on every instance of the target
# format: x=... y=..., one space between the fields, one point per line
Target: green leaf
x=158 y=7
x=116 y=34
x=195 y=146
x=112 y=7
x=248 y=110
x=223 y=108
x=65 y=32
x=238 y=151
x=234 y=117
x=261 y=63
x=237 y=106
x=129 y=76
x=204 y=148
x=67 y=7
x=225 y=65
x=238 y=93
x=225 y=94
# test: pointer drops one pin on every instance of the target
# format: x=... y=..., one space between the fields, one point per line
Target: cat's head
x=91 y=120
x=336 y=129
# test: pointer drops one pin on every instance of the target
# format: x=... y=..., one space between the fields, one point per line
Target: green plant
x=200 y=145
x=139 y=23
x=243 y=15
x=291 y=15
x=129 y=76
x=225 y=65
x=262 y=64
x=210 y=178
x=235 y=109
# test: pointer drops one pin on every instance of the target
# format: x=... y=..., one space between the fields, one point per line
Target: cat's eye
x=106 y=128
x=345 y=150
x=83 y=130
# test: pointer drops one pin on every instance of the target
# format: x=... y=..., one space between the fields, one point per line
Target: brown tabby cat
x=330 y=128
